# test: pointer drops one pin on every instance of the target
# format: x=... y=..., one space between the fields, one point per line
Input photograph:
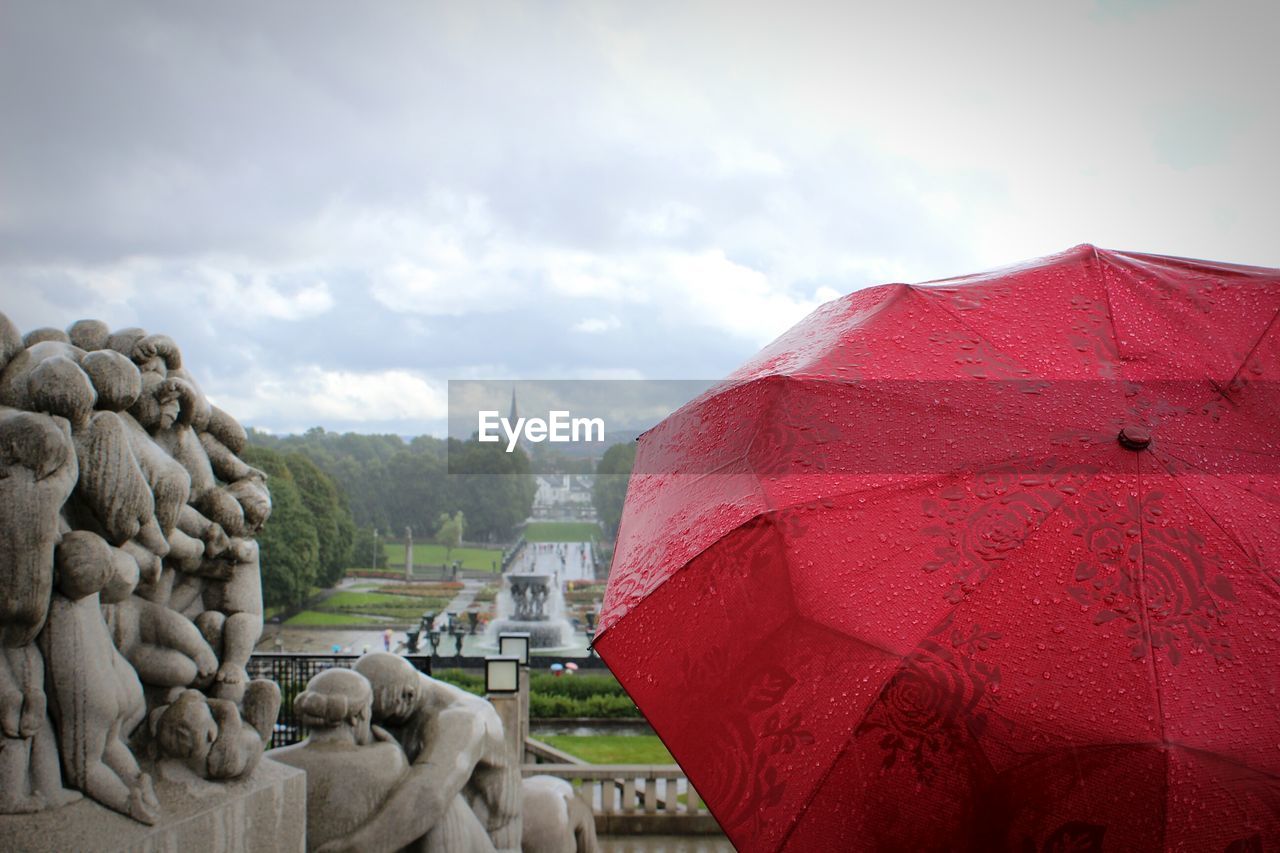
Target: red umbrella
x=991 y=563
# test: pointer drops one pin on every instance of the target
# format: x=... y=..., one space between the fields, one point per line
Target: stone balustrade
x=635 y=799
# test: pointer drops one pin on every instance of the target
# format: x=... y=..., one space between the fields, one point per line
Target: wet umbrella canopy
x=989 y=563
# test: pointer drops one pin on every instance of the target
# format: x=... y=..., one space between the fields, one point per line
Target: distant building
x=564 y=496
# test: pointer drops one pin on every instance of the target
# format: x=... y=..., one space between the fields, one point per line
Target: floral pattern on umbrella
x=985 y=520
x=1186 y=596
x=937 y=699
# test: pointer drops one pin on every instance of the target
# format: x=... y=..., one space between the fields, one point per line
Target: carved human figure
x=455 y=745
x=163 y=646
x=231 y=598
x=95 y=697
x=118 y=384
x=556 y=820
x=215 y=738
x=352 y=767
x=167 y=408
x=111 y=494
x=37 y=474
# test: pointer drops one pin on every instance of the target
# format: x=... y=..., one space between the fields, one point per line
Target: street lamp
x=501 y=674
x=515 y=645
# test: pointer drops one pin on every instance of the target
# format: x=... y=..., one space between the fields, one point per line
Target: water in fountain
x=532 y=604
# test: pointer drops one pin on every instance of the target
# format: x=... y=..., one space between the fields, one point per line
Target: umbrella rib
x=1202 y=445
x=1262 y=337
x=1145 y=617
x=1202 y=469
x=918 y=292
x=1101 y=280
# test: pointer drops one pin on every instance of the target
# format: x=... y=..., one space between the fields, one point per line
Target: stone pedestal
x=508 y=707
x=266 y=812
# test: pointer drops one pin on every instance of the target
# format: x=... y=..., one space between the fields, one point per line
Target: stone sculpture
x=119 y=481
x=556 y=820
x=351 y=770
x=462 y=788
x=210 y=736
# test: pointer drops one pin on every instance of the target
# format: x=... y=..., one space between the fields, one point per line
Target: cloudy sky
x=336 y=207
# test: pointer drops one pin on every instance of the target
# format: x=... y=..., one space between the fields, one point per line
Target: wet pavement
x=568 y=561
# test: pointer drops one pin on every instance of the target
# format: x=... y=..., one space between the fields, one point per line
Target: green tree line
x=308 y=539
x=391 y=484
x=326 y=486
x=609 y=490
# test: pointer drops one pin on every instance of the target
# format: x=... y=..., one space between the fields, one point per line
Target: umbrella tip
x=1134 y=437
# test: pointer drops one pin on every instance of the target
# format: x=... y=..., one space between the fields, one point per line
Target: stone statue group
x=131 y=601
x=130 y=594
x=398 y=760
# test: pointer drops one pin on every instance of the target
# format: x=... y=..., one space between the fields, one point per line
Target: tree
x=289 y=549
x=335 y=531
x=493 y=488
x=365 y=551
x=609 y=490
x=449 y=532
x=391 y=484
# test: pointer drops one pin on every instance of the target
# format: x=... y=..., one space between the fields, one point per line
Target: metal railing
x=292 y=672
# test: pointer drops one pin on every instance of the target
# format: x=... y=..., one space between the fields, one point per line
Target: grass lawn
x=562 y=531
x=317 y=619
x=484 y=559
x=612 y=749
x=375 y=607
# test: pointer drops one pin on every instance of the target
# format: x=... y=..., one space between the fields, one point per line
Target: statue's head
x=337 y=697
x=396 y=685
x=84 y=563
x=89 y=335
x=187 y=730
x=114 y=377
x=58 y=386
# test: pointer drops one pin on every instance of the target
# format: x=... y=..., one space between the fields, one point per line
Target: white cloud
x=597 y=325
x=740 y=157
x=227 y=293
x=657 y=176
x=306 y=396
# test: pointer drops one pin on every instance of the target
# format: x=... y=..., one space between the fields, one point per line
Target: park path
x=460 y=602
x=570 y=561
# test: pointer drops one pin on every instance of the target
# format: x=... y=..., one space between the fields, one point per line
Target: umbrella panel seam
x=1145 y=616
x=1219 y=478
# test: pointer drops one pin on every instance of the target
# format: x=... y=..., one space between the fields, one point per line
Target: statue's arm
x=420 y=801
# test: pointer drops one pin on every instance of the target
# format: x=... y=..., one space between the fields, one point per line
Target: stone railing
x=636 y=799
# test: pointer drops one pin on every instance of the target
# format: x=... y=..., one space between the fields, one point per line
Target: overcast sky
x=336 y=207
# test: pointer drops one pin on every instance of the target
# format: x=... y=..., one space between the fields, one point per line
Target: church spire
x=511 y=418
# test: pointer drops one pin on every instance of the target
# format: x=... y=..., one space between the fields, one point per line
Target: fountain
x=532 y=604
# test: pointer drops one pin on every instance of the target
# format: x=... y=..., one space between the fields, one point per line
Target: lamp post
x=502 y=689
x=516 y=644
